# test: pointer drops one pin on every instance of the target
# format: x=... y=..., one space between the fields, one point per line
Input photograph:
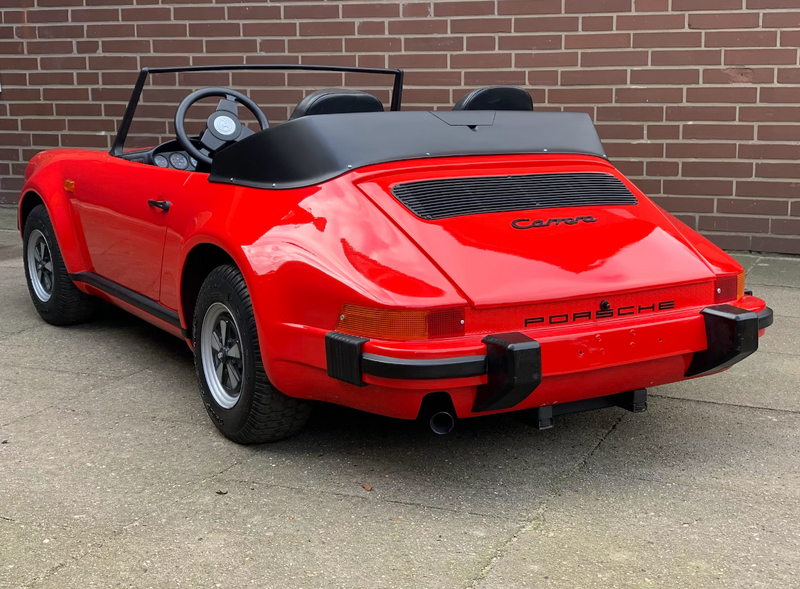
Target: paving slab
x=108 y=472
x=493 y=466
x=746 y=259
x=783 y=300
x=623 y=532
x=115 y=344
x=20 y=314
x=272 y=537
x=782 y=337
x=775 y=271
x=8 y=218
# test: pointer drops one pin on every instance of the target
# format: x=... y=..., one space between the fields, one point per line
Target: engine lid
x=549 y=254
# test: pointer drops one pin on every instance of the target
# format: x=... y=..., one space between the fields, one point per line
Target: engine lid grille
x=456 y=197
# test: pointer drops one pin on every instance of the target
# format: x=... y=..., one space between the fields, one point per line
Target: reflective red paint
x=306 y=252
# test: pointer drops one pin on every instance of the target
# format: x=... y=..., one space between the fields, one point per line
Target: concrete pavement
x=112 y=476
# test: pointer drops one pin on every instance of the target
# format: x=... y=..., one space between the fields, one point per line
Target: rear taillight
x=729 y=288
x=394 y=324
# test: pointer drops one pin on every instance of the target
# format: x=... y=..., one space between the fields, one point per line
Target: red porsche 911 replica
x=433 y=265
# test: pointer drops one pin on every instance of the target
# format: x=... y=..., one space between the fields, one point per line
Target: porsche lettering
x=603 y=313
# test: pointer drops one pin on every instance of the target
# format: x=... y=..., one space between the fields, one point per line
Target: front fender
x=46 y=181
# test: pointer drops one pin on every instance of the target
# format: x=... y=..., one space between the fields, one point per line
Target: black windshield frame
x=122 y=133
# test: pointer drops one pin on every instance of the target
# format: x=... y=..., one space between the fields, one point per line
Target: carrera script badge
x=528 y=224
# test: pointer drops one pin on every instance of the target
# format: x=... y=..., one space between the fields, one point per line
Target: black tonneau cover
x=313 y=149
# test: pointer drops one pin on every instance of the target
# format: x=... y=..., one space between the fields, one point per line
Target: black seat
x=496 y=98
x=336 y=100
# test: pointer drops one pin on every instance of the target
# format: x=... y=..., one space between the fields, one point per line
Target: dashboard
x=167 y=155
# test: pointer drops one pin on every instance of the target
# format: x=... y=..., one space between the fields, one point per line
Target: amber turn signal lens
x=394 y=324
x=69 y=185
x=729 y=288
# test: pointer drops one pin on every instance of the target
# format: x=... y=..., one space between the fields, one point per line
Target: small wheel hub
x=221 y=352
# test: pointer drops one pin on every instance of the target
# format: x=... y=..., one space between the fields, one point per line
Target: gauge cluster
x=178 y=160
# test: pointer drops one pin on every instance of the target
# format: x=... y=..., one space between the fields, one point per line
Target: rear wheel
x=55 y=297
x=239 y=398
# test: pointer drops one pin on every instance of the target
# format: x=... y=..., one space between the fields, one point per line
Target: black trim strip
x=129 y=296
x=388 y=367
x=764 y=318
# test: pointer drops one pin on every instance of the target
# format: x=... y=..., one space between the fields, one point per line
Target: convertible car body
x=440 y=264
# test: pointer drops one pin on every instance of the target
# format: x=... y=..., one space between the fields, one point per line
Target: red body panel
x=306 y=252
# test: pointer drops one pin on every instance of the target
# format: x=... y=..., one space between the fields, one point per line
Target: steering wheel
x=223 y=126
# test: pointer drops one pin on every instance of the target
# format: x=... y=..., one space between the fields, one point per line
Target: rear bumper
x=506 y=368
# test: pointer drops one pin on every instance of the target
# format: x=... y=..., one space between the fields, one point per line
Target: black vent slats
x=456 y=197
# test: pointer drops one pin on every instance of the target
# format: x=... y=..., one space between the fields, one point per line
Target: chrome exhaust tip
x=442 y=422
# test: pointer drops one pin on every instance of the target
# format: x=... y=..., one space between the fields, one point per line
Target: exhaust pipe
x=442 y=422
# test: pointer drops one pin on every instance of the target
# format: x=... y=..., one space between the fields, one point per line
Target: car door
x=123 y=207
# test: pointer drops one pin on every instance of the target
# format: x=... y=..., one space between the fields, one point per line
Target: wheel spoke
x=215 y=343
x=234 y=352
x=220 y=366
x=48 y=266
x=233 y=375
x=36 y=253
x=223 y=328
x=40 y=274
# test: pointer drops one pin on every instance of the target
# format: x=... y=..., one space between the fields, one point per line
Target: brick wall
x=697 y=101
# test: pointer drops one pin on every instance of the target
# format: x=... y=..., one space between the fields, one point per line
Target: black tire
x=261 y=413
x=66 y=304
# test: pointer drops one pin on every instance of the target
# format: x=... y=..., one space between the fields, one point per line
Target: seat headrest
x=335 y=100
x=496 y=98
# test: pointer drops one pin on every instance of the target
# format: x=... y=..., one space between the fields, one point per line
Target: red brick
x=730 y=242
x=433 y=43
x=580 y=95
x=767 y=189
x=717 y=169
x=787 y=226
x=779 y=133
x=660 y=168
x=480 y=60
x=613 y=58
x=480 y=43
x=328 y=29
x=375 y=10
x=475 y=25
x=95 y=15
x=146 y=13
x=761 y=57
x=671 y=39
x=725 y=94
x=649 y=95
x=699 y=150
x=701 y=113
x=630 y=113
x=555 y=59
x=789 y=76
x=546 y=24
x=261 y=12
x=715 y=5
x=594 y=77
x=735 y=131
x=780 y=20
x=597 y=40
x=216 y=13
x=417 y=9
x=171 y=30
x=530 y=42
x=60 y=32
x=734 y=224
x=752 y=206
x=418 y=60
x=783 y=245
x=680 y=77
x=475 y=8
x=303 y=11
x=635 y=150
x=663 y=131
x=494 y=77
x=590 y=6
x=424 y=26
x=269 y=29
x=724 y=20
x=527 y=7
x=782 y=95
x=645 y=22
x=688 y=57
x=769 y=113
x=770 y=170
x=698 y=187
x=741 y=38
x=757 y=4
x=739 y=75
x=769 y=151
x=597 y=23
x=372 y=27
x=372 y=44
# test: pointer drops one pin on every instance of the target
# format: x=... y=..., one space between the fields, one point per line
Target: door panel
x=124 y=235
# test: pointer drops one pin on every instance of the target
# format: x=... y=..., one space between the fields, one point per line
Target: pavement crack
x=8 y=519
x=739 y=405
x=536 y=521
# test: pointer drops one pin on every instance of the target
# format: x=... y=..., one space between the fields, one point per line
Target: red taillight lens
x=729 y=288
x=399 y=324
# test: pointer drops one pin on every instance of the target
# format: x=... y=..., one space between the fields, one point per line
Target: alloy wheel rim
x=40 y=265
x=221 y=352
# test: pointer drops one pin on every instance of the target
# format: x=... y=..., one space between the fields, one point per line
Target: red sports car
x=414 y=264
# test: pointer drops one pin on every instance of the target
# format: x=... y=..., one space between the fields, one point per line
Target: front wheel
x=239 y=398
x=55 y=297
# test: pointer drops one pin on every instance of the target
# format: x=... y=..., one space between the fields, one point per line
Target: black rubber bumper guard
x=513 y=361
